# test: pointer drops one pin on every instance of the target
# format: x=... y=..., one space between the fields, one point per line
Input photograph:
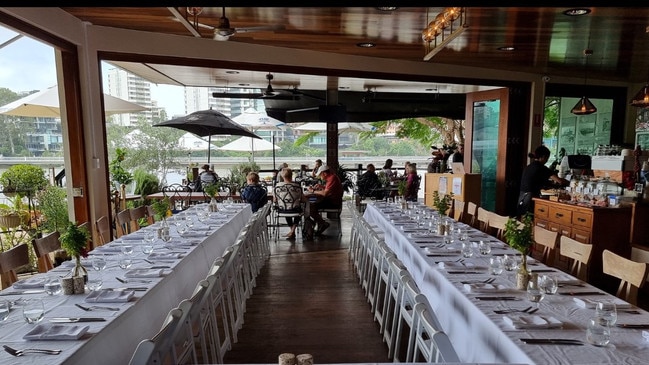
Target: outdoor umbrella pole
x=209 y=148
x=272 y=137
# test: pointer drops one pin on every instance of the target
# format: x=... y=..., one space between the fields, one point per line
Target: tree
x=427 y=131
x=13 y=129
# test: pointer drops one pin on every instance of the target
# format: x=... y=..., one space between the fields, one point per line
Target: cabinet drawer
x=541 y=223
x=563 y=230
x=541 y=210
x=560 y=215
x=580 y=235
x=582 y=219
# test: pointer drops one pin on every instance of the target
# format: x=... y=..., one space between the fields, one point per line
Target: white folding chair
x=391 y=303
x=160 y=349
x=215 y=324
x=190 y=336
x=381 y=289
x=233 y=289
x=405 y=319
x=432 y=344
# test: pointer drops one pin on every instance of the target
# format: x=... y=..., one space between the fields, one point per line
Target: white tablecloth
x=113 y=341
x=480 y=335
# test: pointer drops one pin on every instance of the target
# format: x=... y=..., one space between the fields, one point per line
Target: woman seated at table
x=289 y=198
x=254 y=193
x=412 y=183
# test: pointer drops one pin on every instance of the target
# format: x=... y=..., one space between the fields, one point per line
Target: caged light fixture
x=446 y=26
x=584 y=106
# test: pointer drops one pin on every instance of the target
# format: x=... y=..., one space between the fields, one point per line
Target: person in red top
x=329 y=196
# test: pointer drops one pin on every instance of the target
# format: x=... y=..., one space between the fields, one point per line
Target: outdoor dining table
x=478 y=333
x=170 y=275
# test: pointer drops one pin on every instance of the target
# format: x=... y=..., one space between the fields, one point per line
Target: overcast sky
x=27 y=64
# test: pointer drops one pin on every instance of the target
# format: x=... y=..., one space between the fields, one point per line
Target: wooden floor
x=308 y=300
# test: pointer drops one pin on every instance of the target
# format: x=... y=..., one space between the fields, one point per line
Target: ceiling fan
x=223 y=31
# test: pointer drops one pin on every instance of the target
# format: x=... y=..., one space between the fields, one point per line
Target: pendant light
x=641 y=99
x=584 y=106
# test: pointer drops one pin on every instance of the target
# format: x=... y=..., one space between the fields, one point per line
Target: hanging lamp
x=641 y=99
x=584 y=106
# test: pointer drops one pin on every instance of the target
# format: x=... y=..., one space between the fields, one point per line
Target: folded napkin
x=567 y=281
x=189 y=243
x=164 y=256
x=195 y=234
x=30 y=283
x=47 y=331
x=532 y=322
x=110 y=296
x=442 y=251
x=202 y=228
x=109 y=248
x=132 y=237
x=460 y=265
x=483 y=288
x=591 y=303
x=144 y=273
x=645 y=335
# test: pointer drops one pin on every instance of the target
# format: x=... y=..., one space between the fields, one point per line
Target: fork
x=96 y=307
x=125 y=281
x=16 y=352
x=505 y=311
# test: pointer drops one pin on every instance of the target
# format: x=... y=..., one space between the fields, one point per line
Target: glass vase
x=79 y=270
x=522 y=275
x=163 y=230
x=212 y=207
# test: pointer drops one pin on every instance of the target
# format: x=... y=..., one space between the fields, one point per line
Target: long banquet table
x=480 y=335
x=114 y=341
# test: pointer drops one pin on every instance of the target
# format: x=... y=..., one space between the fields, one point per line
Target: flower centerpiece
x=162 y=209
x=74 y=241
x=518 y=235
x=442 y=203
x=212 y=190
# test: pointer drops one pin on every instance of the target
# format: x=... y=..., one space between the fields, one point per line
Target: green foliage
x=52 y=202
x=117 y=172
x=161 y=207
x=24 y=178
x=345 y=178
x=74 y=240
x=442 y=203
x=401 y=188
x=237 y=178
x=518 y=234
x=212 y=189
x=145 y=183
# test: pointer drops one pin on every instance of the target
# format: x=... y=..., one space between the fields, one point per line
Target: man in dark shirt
x=368 y=182
x=329 y=196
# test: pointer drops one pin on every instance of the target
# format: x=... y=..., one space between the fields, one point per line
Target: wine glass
x=98 y=262
x=509 y=263
x=4 y=309
x=33 y=311
x=149 y=236
x=606 y=311
x=467 y=249
x=549 y=284
x=127 y=248
x=534 y=291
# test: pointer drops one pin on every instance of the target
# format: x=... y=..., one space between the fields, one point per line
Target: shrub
x=52 y=202
x=24 y=179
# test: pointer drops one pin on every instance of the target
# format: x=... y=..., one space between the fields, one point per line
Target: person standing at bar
x=536 y=176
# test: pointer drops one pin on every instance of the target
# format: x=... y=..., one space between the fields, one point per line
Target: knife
x=551 y=341
x=466 y=272
x=76 y=319
x=578 y=293
x=133 y=288
x=21 y=292
x=543 y=270
x=498 y=298
x=633 y=325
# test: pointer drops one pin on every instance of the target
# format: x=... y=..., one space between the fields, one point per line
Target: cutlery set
x=125 y=281
x=76 y=319
x=486 y=281
x=580 y=293
x=551 y=341
x=95 y=307
x=16 y=352
x=528 y=310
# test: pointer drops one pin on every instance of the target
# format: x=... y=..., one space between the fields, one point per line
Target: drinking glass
x=606 y=311
x=4 y=309
x=33 y=311
x=95 y=281
x=484 y=247
x=146 y=247
x=496 y=265
x=124 y=261
x=534 y=292
x=509 y=263
x=182 y=228
x=127 y=248
x=598 y=332
x=52 y=285
x=98 y=262
x=149 y=236
x=467 y=249
x=549 y=284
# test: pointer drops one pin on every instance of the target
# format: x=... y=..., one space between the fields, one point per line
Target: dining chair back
x=482 y=220
x=397 y=272
x=190 y=338
x=138 y=217
x=640 y=254
x=216 y=322
x=160 y=348
x=384 y=253
x=10 y=261
x=432 y=344
x=548 y=240
x=580 y=254
x=405 y=319
x=123 y=222
x=459 y=207
x=44 y=247
x=179 y=196
x=288 y=204
x=103 y=230
x=471 y=214
x=496 y=225
x=631 y=273
x=150 y=215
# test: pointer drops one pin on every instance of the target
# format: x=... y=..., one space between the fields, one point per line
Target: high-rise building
x=129 y=87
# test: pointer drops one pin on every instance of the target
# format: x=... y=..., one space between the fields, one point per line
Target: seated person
x=254 y=193
x=412 y=183
x=368 y=183
x=317 y=165
x=289 y=200
x=387 y=169
x=205 y=177
x=329 y=196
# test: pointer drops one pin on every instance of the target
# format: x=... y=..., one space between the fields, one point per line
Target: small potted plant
x=162 y=209
x=442 y=203
x=518 y=235
x=74 y=240
x=212 y=190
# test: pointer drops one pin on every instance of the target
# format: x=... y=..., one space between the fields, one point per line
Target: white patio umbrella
x=45 y=103
x=250 y=145
x=193 y=143
x=343 y=127
x=260 y=121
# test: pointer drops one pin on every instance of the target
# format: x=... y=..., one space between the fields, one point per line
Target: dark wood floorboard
x=308 y=300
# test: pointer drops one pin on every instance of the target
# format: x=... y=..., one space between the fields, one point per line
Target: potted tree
x=212 y=190
x=518 y=235
x=74 y=241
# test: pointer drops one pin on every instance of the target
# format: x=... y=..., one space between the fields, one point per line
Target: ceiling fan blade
x=254 y=96
x=259 y=28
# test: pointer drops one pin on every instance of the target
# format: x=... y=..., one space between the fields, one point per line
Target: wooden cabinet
x=465 y=187
x=604 y=228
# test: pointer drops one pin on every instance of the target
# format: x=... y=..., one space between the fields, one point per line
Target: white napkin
x=187 y=243
x=202 y=228
x=144 y=273
x=30 y=283
x=110 y=296
x=591 y=303
x=194 y=234
x=645 y=335
x=132 y=237
x=532 y=322
x=442 y=251
x=485 y=288
x=459 y=265
x=47 y=331
x=164 y=256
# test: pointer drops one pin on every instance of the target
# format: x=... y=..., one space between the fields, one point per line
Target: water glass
x=98 y=262
x=598 y=333
x=496 y=265
x=127 y=248
x=146 y=247
x=549 y=284
x=467 y=249
x=606 y=311
x=484 y=247
x=149 y=236
x=52 y=285
x=33 y=311
x=95 y=281
x=4 y=309
x=509 y=263
x=124 y=261
x=534 y=291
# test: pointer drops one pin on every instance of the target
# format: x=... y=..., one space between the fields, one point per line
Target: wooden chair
x=43 y=247
x=11 y=260
x=103 y=230
x=150 y=215
x=123 y=222
x=496 y=225
x=136 y=215
x=458 y=210
x=548 y=240
x=471 y=215
x=482 y=219
x=579 y=253
x=631 y=273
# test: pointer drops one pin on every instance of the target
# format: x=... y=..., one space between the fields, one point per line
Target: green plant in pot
x=74 y=240
x=519 y=235
x=23 y=180
x=118 y=173
x=212 y=190
x=442 y=203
